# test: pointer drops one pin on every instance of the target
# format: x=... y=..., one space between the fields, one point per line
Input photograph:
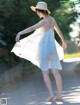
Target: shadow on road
x=30 y=90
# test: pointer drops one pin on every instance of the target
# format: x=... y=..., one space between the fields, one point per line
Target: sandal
x=50 y=98
x=57 y=99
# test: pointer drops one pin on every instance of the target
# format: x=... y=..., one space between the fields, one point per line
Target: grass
x=72 y=55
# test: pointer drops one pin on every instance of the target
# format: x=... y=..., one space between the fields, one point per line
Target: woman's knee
x=55 y=72
x=45 y=74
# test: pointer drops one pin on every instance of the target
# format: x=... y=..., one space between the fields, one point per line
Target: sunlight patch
x=59 y=103
x=71 y=59
x=32 y=103
x=48 y=103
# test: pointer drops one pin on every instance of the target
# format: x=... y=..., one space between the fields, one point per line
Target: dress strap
x=50 y=23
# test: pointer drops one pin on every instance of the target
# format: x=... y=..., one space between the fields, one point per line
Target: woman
x=42 y=49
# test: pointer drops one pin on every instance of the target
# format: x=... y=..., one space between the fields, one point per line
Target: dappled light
x=47 y=103
x=21 y=82
x=75 y=26
x=73 y=95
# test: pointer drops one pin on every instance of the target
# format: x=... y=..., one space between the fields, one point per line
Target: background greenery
x=16 y=15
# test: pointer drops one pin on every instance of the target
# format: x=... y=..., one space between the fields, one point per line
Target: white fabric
x=41 y=49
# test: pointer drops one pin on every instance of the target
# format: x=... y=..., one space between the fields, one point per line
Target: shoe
x=50 y=98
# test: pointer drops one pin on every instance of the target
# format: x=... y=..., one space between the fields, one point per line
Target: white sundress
x=41 y=49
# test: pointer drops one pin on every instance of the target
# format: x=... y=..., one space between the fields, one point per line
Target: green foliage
x=64 y=17
x=16 y=15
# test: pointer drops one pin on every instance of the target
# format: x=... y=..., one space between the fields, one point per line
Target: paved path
x=32 y=90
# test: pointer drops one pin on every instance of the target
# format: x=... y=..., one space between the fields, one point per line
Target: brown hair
x=42 y=11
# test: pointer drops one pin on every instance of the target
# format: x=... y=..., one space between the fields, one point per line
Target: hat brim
x=34 y=9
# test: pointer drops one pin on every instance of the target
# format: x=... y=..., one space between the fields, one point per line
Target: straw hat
x=40 y=5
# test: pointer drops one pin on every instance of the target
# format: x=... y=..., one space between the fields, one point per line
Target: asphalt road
x=32 y=90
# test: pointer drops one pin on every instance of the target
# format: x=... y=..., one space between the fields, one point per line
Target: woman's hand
x=17 y=37
x=64 y=45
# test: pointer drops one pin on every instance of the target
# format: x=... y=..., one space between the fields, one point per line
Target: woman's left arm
x=64 y=45
x=29 y=29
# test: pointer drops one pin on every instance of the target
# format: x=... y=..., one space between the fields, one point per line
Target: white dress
x=41 y=49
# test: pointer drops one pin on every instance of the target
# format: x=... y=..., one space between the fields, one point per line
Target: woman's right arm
x=57 y=29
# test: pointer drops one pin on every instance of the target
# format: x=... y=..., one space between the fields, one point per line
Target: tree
x=16 y=15
x=64 y=17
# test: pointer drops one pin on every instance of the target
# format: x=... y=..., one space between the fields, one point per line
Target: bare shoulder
x=42 y=20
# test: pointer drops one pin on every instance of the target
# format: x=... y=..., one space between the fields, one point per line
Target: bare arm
x=34 y=27
x=64 y=45
x=29 y=29
x=58 y=31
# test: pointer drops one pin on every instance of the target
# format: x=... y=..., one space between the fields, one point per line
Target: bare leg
x=48 y=82
x=58 y=80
